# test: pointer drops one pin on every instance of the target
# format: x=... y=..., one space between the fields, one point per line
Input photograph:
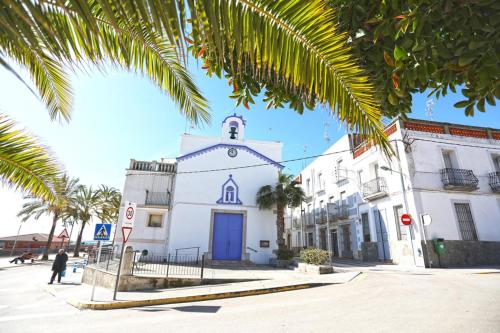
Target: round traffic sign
x=129 y=213
x=406 y=219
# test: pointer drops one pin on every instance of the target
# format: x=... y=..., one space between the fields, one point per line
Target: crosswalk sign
x=102 y=232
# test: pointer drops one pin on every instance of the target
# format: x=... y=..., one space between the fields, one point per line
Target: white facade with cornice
x=212 y=199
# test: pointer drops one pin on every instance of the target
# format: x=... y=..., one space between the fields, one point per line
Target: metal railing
x=320 y=216
x=494 y=181
x=375 y=188
x=309 y=219
x=459 y=179
x=157 y=198
x=185 y=265
x=337 y=211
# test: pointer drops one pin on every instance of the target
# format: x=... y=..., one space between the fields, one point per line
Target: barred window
x=465 y=222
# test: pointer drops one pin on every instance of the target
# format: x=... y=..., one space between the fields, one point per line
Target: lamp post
x=405 y=202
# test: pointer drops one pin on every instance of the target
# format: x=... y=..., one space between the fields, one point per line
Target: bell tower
x=233 y=128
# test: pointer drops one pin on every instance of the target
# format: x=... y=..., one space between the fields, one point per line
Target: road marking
x=36 y=315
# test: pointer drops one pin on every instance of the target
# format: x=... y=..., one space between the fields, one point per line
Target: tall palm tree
x=109 y=206
x=86 y=203
x=64 y=188
x=285 y=193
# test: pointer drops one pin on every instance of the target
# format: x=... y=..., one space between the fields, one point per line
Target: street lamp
x=405 y=201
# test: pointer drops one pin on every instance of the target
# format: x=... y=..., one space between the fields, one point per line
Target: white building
x=356 y=196
x=206 y=197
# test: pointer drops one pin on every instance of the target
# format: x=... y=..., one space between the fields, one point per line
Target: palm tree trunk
x=79 y=240
x=51 y=236
x=280 y=227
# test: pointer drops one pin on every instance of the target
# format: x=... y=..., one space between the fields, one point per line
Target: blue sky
x=120 y=115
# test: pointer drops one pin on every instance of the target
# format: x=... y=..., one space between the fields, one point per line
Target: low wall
x=130 y=282
x=462 y=254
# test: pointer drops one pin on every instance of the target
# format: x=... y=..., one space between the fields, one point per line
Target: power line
x=314 y=156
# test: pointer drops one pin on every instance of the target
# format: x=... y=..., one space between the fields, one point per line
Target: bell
x=233 y=133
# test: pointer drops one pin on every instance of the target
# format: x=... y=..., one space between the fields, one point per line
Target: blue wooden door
x=227 y=238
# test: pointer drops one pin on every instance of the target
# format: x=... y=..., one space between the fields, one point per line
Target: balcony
x=157 y=199
x=495 y=181
x=337 y=211
x=309 y=219
x=459 y=179
x=152 y=166
x=320 y=216
x=375 y=188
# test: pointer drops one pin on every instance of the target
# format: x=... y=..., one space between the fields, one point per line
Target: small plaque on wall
x=264 y=243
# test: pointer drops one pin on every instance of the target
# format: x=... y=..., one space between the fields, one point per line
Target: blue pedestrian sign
x=102 y=232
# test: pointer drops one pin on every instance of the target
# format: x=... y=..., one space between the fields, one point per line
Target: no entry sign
x=406 y=219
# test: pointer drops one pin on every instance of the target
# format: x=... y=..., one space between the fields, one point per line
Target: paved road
x=446 y=301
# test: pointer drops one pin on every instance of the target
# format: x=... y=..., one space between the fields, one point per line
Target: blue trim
x=235 y=116
x=224 y=202
x=226 y=145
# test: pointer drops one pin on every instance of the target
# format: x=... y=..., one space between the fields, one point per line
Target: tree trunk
x=51 y=236
x=280 y=227
x=79 y=240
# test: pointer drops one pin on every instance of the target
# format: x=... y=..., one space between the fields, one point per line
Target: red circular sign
x=406 y=219
x=130 y=213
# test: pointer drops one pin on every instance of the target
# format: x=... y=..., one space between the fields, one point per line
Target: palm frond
x=26 y=164
x=47 y=36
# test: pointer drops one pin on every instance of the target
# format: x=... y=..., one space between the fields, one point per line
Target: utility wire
x=315 y=156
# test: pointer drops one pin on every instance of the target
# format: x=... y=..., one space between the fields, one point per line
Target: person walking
x=59 y=266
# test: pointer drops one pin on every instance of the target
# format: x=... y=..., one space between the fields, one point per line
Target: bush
x=285 y=254
x=314 y=256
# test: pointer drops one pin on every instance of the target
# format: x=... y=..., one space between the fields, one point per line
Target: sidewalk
x=78 y=294
x=349 y=265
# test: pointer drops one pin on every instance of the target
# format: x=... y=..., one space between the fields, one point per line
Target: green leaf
x=400 y=53
x=462 y=104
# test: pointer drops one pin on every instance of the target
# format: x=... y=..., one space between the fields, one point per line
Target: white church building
x=205 y=198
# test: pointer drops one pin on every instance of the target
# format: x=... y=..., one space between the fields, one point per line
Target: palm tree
x=48 y=38
x=24 y=163
x=291 y=44
x=64 y=188
x=285 y=193
x=109 y=206
x=86 y=204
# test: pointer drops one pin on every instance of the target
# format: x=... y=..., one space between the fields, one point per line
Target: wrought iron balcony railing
x=337 y=211
x=309 y=219
x=157 y=199
x=375 y=188
x=320 y=216
x=459 y=179
x=494 y=181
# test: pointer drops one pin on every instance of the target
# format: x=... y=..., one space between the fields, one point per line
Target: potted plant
x=314 y=261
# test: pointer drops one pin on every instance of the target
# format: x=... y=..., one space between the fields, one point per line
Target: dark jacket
x=59 y=264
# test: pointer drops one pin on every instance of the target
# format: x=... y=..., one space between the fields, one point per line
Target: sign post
x=127 y=226
x=101 y=233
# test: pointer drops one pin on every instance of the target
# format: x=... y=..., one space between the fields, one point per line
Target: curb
x=186 y=299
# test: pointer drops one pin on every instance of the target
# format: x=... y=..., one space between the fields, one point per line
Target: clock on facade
x=232 y=152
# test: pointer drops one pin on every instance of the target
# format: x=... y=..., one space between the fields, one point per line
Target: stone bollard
x=128 y=261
